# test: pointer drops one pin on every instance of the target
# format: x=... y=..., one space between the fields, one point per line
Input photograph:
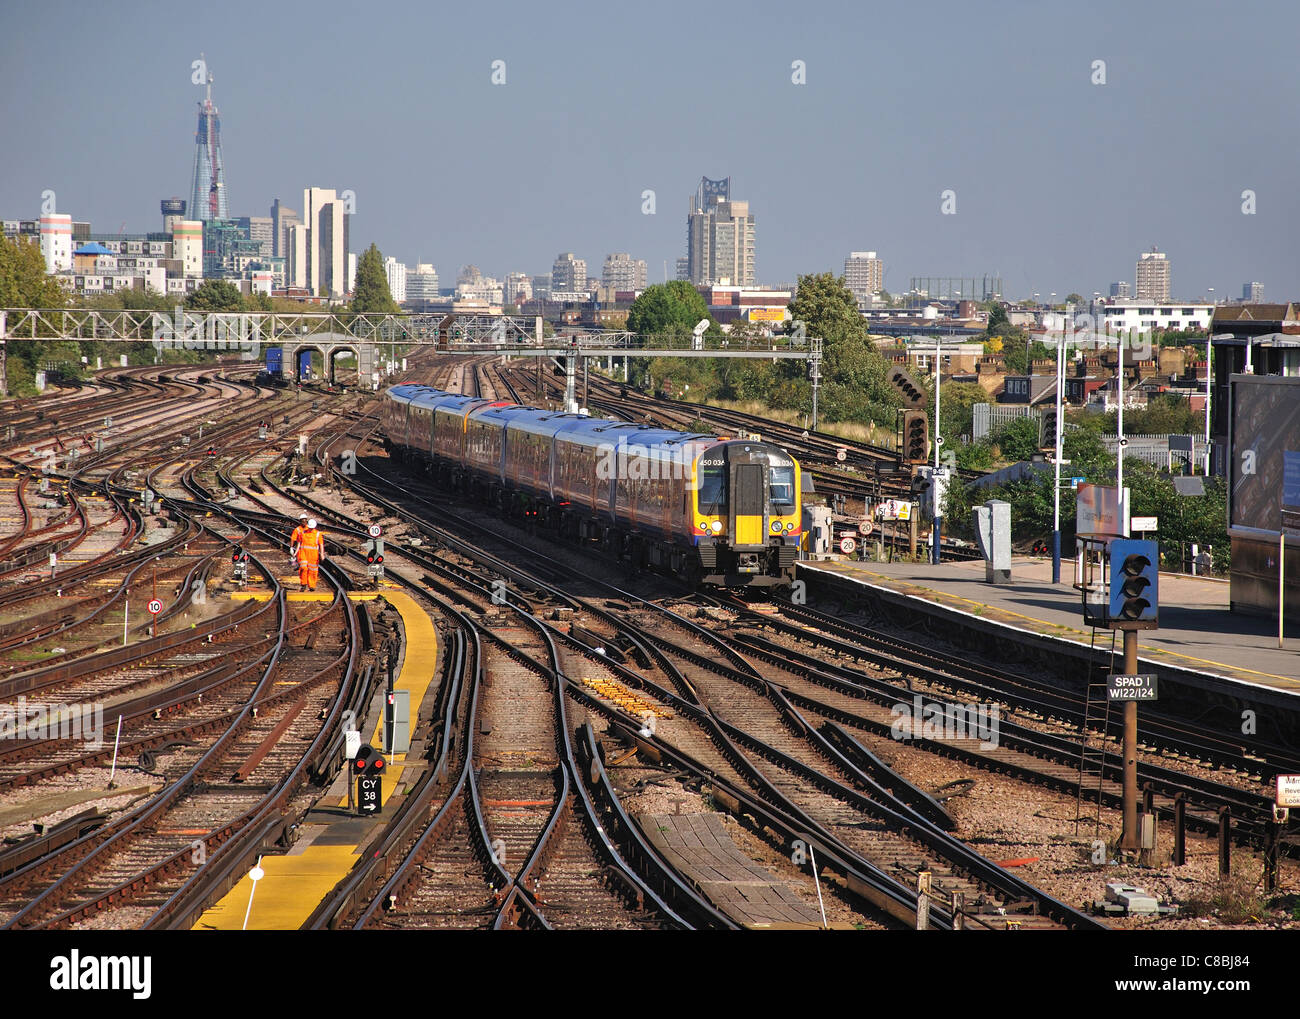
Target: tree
x=24 y=283
x=854 y=373
x=371 y=293
x=1018 y=440
x=668 y=309
x=1074 y=299
x=998 y=321
x=215 y=295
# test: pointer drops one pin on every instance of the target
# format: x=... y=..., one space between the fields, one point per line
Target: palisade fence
x=1154 y=449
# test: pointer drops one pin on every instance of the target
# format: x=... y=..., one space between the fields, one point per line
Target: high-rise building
x=327 y=243
x=719 y=236
x=282 y=217
x=296 y=246
x=1252 y=292
x=208 y=193
x=542 y=288
x=173 y=211
x=622 y=272
x=261 y=231
x=518 y=288
x=187 y=246
x=56 y=241
x=396 y=273
x=1120 y=290
x=683 y=269
x=568 y=273
x=1152 y=278
x=421 y=284
x=864 y=275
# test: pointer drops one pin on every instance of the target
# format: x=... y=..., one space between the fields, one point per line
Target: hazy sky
x=1059 y=182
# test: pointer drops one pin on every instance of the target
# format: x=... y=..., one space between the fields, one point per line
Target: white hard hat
x=312 y=523
x=302 y=516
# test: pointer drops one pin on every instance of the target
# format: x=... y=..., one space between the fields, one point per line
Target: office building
x=1121 y=290
x=421 y=284
x=259 y=230
x=282 y=217
x=326 y=270
x=1252 y=293
x=719 y=236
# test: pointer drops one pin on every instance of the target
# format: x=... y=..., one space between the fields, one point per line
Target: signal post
x=1134 y=605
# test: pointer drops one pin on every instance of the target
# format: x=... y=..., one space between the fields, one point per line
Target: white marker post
x=1281 y=583
x=126 y=615
x=812 y=857
x=255 y=875
x=116 y=742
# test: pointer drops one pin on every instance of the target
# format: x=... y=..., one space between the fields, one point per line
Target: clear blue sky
x=1059 y=183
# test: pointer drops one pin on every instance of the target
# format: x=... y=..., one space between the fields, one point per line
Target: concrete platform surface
x=1197 y=632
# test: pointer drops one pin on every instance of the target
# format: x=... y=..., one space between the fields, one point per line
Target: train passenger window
x=713 y=491
x=782 y=490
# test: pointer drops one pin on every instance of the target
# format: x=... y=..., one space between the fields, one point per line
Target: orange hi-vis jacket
x=310 y=545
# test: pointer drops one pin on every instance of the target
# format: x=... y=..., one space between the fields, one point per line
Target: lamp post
x=935 y=487
x=1056 y=504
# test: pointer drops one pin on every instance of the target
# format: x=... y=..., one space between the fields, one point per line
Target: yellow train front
x=747 y=523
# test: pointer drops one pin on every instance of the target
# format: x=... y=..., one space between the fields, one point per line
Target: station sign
x=1132 y=688
x=1144 y=524
x=1288 y=791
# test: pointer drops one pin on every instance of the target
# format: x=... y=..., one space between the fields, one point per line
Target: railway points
x=562 y=702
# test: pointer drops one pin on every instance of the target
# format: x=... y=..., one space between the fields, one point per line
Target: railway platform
x=330 y=837
x=1199 y=640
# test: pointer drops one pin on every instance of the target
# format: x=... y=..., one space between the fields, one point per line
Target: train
x=720 y=512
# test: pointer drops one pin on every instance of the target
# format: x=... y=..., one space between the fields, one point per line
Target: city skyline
x=1055 y=186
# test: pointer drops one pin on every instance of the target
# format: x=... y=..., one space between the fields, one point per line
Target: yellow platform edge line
x=896 y=585
x=293 y=886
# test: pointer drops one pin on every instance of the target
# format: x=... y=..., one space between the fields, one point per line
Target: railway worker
x=310 y=552
x=295 y=539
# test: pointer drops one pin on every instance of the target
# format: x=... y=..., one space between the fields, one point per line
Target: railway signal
x=1134 y=584
x=1047 y=431
x=912 y=391
x=916 y=437
x=368 y=767
x=375 y=558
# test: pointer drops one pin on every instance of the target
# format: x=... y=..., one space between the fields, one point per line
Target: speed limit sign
x=847 y=545
x=865 y=527
x=374 y=530
x=155 y=606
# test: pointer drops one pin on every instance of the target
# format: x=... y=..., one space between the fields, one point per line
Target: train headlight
x=717 y=526
x=776 y=527
x=704 y=525
x=789 y=527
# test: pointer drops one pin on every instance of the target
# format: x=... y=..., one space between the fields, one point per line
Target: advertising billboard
x=1264 y=456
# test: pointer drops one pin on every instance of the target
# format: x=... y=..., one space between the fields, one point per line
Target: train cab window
x=713 y=491
x=782 y=490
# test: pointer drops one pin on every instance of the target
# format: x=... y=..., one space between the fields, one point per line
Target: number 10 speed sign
x=155 y=606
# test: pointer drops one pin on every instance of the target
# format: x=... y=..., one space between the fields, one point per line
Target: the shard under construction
x=208 y=196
